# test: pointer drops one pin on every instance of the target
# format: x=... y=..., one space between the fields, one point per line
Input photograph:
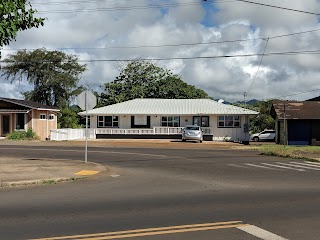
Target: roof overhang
x=13 y=111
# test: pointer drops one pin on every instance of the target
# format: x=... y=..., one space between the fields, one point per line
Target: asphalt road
x=237 y=191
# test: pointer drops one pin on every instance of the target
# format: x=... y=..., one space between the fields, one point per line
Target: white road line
x=313 y=163
x=300 y=166
x=272 y=165
x=307 y=164
x=254 y=165
x=261 y=233
x=234 y=165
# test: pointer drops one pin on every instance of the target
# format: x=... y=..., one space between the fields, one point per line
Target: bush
x=23 y=135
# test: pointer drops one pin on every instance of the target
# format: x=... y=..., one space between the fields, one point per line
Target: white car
x=266 y=135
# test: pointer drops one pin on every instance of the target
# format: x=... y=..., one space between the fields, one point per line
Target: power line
x=162 y=6
x=126 y=8
x=246 y=93
x=294 y=94
x=188 y=58
x=283 y=8
x=173 y=45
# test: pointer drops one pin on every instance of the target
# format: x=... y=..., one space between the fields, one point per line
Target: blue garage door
x=299 y=132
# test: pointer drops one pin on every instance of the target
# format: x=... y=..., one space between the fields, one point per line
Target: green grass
x=288 y=151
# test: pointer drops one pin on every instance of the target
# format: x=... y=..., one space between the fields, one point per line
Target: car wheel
x=200 y=141
x=183 y=140
x=256 y=139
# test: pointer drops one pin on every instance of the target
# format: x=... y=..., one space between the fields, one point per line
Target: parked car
x=192 y=132
x=266 y=135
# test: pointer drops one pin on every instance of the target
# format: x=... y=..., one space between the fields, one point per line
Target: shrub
x=23 y=135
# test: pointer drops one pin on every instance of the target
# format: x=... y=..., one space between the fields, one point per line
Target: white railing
x=124 y=131
x=73 y=134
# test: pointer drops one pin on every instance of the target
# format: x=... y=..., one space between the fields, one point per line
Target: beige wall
x=42 y=127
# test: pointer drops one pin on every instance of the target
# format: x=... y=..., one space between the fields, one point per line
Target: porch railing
x=73 y=134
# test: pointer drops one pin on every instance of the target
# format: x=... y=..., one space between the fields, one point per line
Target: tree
x=69 y=118
x=16 y=15
x=143 y=79
x=53 y=74
x=263 y=120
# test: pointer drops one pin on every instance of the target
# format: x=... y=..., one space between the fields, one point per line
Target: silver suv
x=192 y=132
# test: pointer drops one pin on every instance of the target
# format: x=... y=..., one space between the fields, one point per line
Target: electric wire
x=171 y=45
x=186 y=58
x=264 y=50
x=283 y=8
x=164 y=6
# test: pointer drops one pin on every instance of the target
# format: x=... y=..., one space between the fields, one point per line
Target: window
x=229 y=121
x=51 y=117
x=20 y=121
x=201 y=121
x=170 y=121
x=108 y=121
x=42 y=116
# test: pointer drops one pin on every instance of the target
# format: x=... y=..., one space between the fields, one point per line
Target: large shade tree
x=144 y=79
x=53 y=74
x=16 y=15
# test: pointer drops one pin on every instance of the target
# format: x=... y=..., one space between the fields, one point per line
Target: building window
x=108 y=121
x=43 y=116
x=20 y=121
x=51 y=117
x=229 y=121
x=170 y=121
x=201 y=121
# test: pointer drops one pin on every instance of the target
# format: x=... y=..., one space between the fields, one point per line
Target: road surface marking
x=254 y=165
x=308 y=164
x=299 y=166
x=315 y=163
x=234 y=165
x=152 y=231
x=86 y=173
x=260 y=233
x=272 y=165
x=114 y=175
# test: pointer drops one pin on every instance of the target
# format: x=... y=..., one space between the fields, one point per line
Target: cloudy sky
x=121 y=29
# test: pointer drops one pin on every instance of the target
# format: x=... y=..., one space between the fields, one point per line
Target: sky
x=201 y=31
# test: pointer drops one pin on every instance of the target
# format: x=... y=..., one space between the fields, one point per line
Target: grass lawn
x=289 y=151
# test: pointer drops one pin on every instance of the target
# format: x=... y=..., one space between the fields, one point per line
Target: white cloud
x=226 y=78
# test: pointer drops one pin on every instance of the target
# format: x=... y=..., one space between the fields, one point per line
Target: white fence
x=73 y=134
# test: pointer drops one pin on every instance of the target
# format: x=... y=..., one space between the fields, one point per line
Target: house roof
x=29 y=104
x=151 y=106
x=296 y=110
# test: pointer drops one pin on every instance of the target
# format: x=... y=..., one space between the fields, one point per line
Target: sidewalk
x=18 y=172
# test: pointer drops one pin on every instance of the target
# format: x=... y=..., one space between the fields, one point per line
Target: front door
x=5 y=125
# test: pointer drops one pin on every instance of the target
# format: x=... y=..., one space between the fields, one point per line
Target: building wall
x=234 y=134
x=42 y=127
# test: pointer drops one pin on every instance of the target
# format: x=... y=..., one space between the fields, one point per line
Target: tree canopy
x=53 y=74
x=263 y=120
x=16 y=15
x=144 y=79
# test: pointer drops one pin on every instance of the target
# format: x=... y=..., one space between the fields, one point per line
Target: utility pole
x=284 y=125
x=244 y=97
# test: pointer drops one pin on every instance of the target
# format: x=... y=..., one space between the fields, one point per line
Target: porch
x=138 y=133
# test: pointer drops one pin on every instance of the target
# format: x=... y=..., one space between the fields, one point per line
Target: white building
x=164 y=118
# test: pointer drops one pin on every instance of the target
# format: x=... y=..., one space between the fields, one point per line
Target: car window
x=192 y=128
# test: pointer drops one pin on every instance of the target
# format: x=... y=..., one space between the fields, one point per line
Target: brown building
x=20 y=115
x=297 y=123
